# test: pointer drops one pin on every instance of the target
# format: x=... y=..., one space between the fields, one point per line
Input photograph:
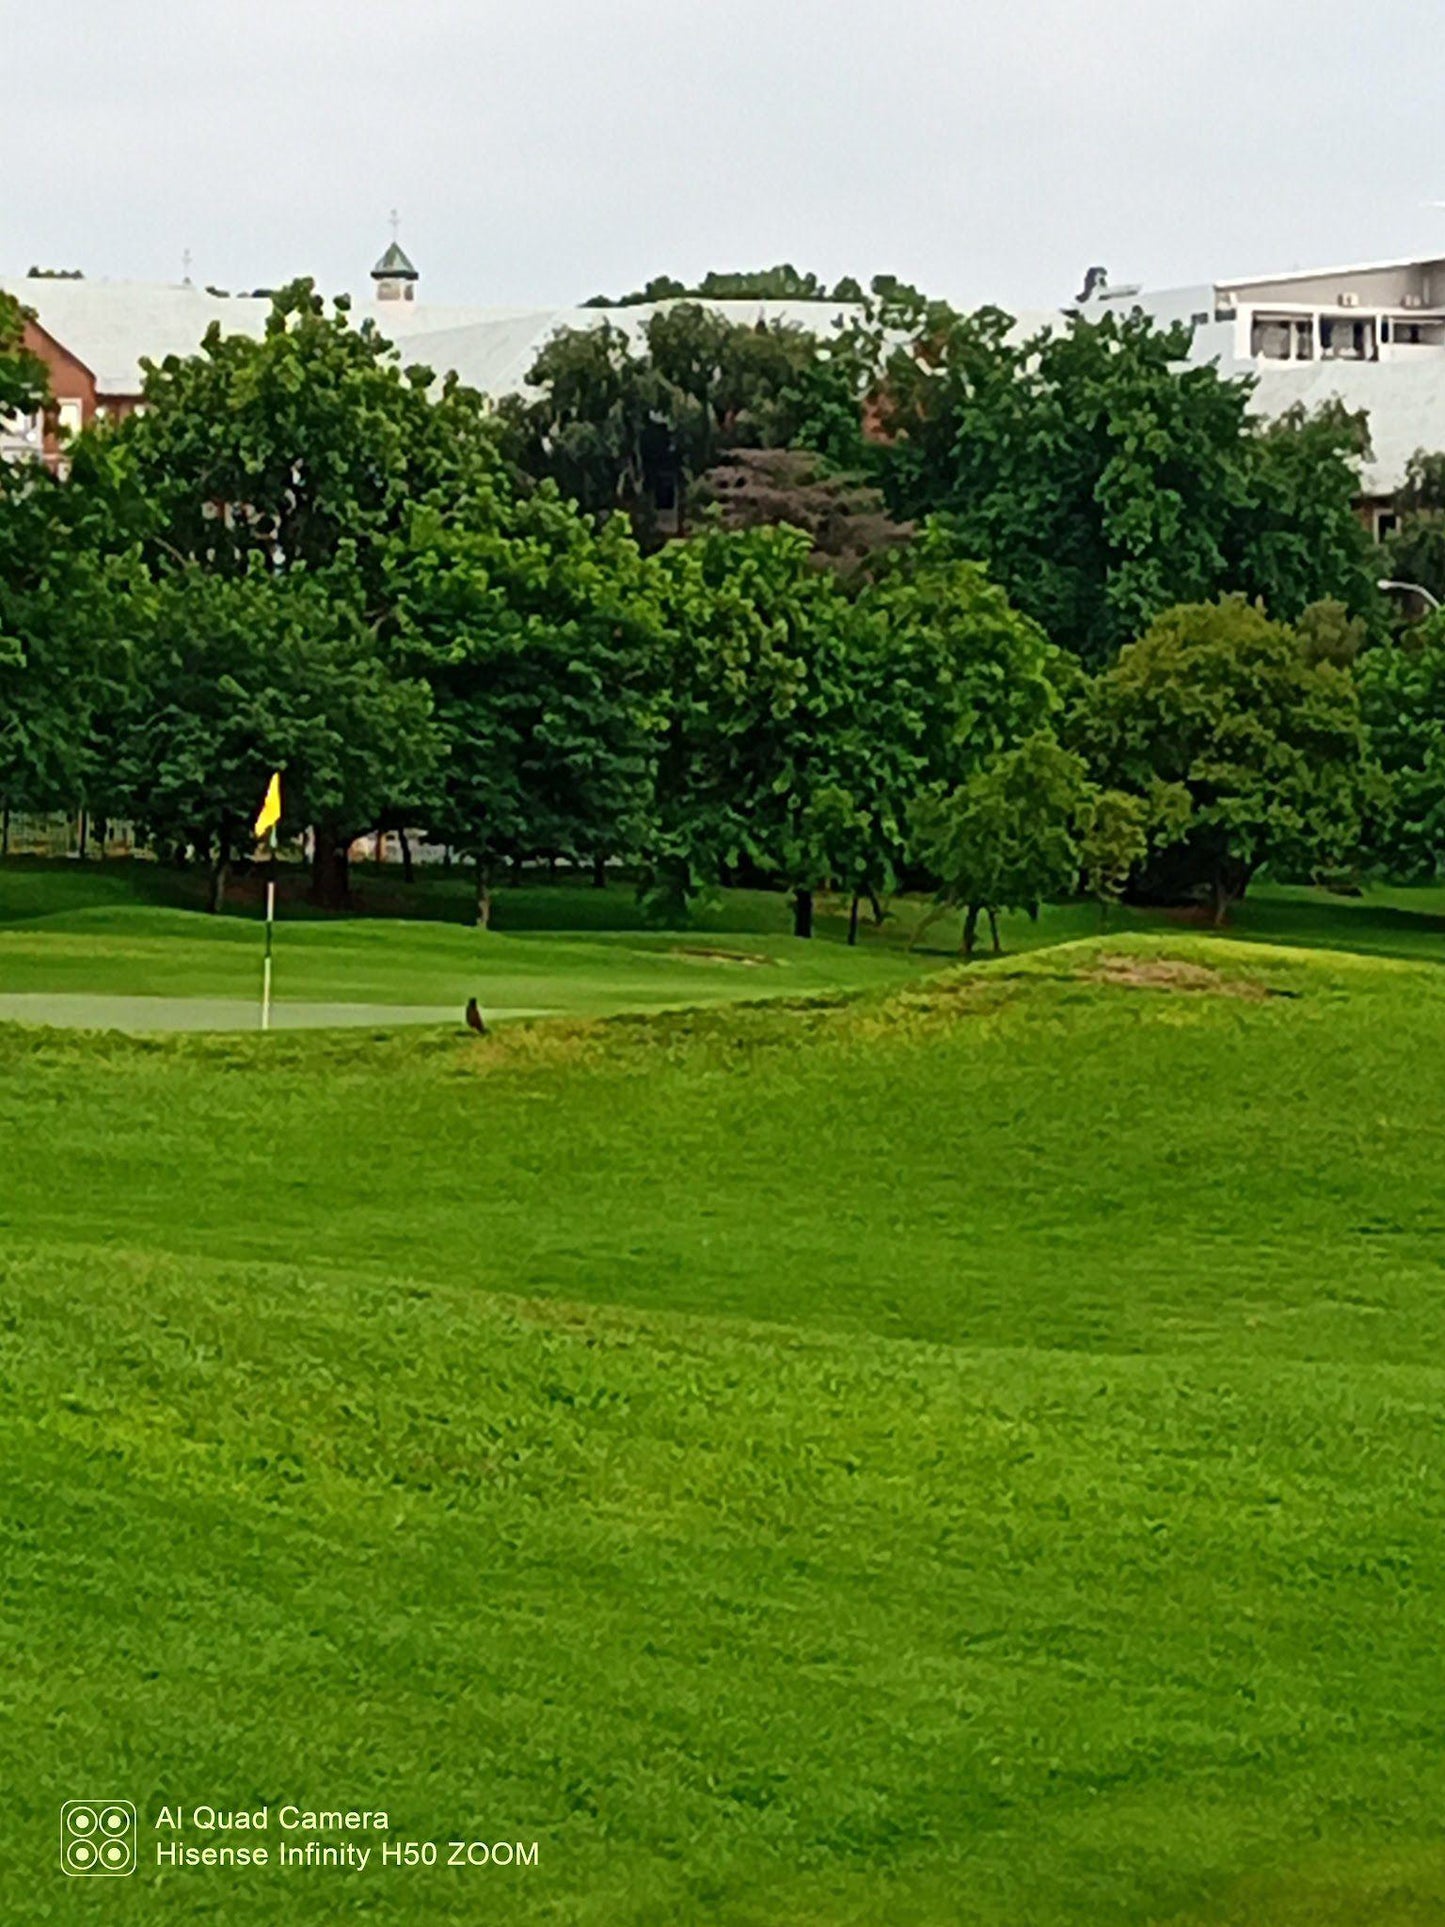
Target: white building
x=94 y=335
x=1371 y=336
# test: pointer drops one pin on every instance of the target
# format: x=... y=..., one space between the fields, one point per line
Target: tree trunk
x=993 y=930
x=484 y=894
x=5 y=831
x=1221 y=899
x=220 y=869
x=875 y=905
x=599 y=873
x=970 y=929
x=330 y=870
x=853 y=919
x=802 y=913
x=84 y=829
x=408 y=874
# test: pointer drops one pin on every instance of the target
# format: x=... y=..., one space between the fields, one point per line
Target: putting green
x=139 y=1014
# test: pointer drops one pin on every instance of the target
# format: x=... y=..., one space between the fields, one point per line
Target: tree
x=802 y=722
x=1007 y=837
x=966 y=674
x=539 y=637
x=1114 y=841
x=1414 y=550
x=759 y=704
x=782 y=283
x=1402 y=694
x=604 y=426
x=293 y=447
x=1329 y=633
x=844 y=519
x=306 y=453
x=1100 y=478
x=235 y=676
x=24 y=380
x=625 y=427
x=63 y=594
x=1268 y=743
x=1297 y=539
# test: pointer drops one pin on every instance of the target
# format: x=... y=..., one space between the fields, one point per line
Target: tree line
x=936 y=606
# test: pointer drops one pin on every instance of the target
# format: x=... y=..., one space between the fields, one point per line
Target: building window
x=1413 y=334
x=1282 y=337
x=1347 y=340
x=1271 y=337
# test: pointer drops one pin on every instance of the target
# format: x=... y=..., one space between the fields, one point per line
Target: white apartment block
x=1371 y=336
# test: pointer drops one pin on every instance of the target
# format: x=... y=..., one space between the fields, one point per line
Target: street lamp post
x=1388 y=586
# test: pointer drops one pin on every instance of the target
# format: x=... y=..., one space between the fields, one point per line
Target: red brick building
x=92 y=337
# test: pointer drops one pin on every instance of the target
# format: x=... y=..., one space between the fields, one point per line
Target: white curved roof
x=111 y=325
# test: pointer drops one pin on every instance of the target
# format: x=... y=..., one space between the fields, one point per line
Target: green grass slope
x=107 y=932
x=969 y=1454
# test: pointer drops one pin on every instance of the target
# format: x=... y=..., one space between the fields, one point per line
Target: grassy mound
x=963 y=1452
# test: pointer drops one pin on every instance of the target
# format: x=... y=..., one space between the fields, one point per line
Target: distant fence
x=26 y=833
x=57 y=834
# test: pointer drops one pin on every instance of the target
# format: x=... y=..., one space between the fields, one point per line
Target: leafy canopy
x=1217 y=702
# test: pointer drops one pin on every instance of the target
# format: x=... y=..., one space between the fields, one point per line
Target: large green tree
x=757 y=696
x=1100 y=478
x=1402 y=693
x=970 y=675
x=1414 y=550
x=64 y=595
x=1007 y=837
x=235 y=676
x=311 y=441
x=802 y=722
x=1216 y=701
x=629 y=426
x=539 y=637
x=306 y=454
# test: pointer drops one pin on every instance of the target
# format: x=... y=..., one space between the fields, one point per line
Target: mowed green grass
x=130 y=937
x=965 y=1452
x=110 y=931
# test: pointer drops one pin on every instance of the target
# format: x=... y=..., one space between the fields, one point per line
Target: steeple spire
x=394 y=275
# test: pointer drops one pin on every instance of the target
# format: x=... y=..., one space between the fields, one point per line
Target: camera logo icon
x=97 y=1837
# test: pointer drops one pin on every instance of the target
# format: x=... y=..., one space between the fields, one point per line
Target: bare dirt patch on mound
x=694 y=954
x=1167 y=973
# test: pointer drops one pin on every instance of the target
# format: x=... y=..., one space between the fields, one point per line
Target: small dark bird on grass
x=475 y=1019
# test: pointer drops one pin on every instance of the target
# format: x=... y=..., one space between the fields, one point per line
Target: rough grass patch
x=1171 y=973
x=696 y=953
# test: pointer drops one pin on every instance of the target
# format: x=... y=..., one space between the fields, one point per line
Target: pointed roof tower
x=394 y=275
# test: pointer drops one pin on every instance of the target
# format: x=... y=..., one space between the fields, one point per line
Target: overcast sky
x=543 y=152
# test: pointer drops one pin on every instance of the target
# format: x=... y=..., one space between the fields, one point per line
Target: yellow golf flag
x=270 y=812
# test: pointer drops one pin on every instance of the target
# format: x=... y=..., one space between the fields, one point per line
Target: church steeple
x=394 y=275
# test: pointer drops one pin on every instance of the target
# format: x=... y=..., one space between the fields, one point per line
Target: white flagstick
x=270 y=922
